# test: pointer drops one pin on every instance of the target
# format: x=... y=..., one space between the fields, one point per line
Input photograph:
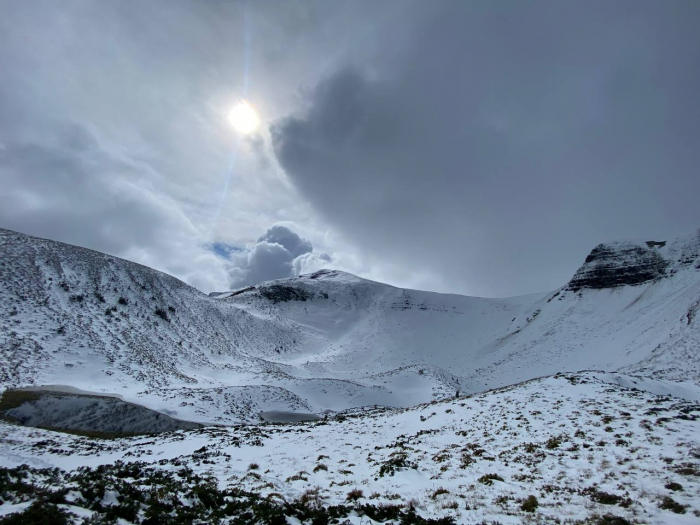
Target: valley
x=327 y=396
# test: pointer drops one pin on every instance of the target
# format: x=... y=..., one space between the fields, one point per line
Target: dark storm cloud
x=478 y=147
x=498 y=142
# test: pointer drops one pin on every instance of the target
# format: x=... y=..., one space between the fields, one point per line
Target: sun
x=244 y=118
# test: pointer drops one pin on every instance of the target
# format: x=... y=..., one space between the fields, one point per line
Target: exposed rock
x=654 y=244
x=279 y=293
x=618 y=264
x=320 y=274
x=244 y=290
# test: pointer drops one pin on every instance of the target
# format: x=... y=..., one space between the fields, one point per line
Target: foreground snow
x=581 y=444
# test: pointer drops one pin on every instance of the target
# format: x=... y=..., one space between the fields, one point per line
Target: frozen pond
x=281 y=416
x=66 y=390
x=64 y=408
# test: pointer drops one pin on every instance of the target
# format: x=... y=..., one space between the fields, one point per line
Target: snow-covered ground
x=581 y=444
x=433 y=406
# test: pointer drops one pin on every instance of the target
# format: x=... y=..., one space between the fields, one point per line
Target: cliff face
x=619 y=264
x=623 y=263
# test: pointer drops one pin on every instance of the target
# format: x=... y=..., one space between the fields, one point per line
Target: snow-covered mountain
x=630 y=306
x=330 y=340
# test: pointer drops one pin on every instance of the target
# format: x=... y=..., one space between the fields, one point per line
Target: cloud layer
x=497 y=144
x=468 y=147
x=68 y=186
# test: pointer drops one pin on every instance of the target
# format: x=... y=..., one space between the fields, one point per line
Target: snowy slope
x=331 y=340
x=76 y=317
x=580 y=444
x=629 y=306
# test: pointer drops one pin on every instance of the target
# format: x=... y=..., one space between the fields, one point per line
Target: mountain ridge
x=327 y=340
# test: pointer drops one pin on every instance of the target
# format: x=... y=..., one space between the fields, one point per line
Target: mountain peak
x=618 y=264
x=631 y=263
x=318 y=279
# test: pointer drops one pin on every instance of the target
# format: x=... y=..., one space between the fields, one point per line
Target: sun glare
x=244 y=118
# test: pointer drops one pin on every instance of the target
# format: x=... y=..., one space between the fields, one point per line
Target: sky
x=474 y=147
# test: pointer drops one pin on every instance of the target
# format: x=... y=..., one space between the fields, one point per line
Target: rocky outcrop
x=618 y=264
x=655 y=244
x=278 y=293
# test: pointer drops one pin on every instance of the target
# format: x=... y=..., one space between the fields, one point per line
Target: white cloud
x=277 y=254
x=311 y=262
x=285 y=237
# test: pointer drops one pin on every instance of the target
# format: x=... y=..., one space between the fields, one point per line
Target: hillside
x=561 y=449
x=629 y=306
x=331 y=340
